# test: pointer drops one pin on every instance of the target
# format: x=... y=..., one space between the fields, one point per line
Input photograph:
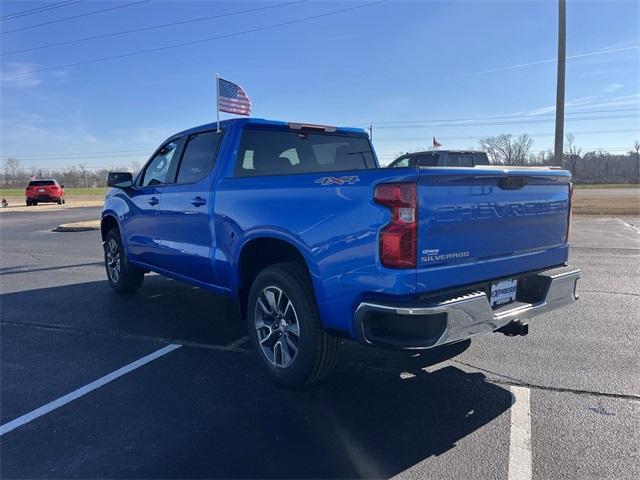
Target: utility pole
x=562 y=50
x=371 y=131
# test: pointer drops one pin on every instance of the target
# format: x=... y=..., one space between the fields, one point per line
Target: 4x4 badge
x=350 y=180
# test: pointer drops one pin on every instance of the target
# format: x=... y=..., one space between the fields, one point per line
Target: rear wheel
x=59 y=201
x=285 y=328
x=123 y=277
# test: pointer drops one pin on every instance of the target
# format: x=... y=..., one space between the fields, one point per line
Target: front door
x=141 y=229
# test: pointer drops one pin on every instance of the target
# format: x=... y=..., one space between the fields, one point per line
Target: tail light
x=398 y=239
x=569 y=210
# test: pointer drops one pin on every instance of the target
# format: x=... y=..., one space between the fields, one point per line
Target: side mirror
x=120 y=179
x=61 y=186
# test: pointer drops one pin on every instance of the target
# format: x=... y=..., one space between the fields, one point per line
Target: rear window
x=459 y=160
x=41 y=183
x=270 y=152
x=425 y=160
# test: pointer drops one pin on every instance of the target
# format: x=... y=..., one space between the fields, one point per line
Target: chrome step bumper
x=437 y=320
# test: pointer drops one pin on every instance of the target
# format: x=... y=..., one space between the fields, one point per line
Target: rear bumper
x=44 y=198
x=433 y=320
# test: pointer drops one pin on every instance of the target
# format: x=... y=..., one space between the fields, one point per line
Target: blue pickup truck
x=318 y=244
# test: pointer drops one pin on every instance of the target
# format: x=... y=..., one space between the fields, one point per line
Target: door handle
x=198 y=202
x=153 y=201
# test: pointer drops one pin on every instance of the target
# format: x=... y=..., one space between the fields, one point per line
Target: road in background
x=208 y=410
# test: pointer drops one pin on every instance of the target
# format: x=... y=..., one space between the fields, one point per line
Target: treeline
x=16 y=176
x=587 y=167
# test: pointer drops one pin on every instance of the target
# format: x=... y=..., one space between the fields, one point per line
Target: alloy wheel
x=113 y=260
x=277 y=326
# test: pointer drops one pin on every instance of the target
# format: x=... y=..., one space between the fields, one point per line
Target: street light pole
x=562 y=50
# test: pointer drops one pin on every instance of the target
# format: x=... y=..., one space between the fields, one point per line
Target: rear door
x=185 y=230
x=482 y=223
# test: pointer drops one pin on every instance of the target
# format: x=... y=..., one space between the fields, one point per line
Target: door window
x=158 y=171
x=199 y=156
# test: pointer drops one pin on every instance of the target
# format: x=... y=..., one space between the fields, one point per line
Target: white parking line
x=520 y=442
x=636 y=229
x=69 y=397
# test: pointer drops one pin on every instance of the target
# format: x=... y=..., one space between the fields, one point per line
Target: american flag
x=232 y=99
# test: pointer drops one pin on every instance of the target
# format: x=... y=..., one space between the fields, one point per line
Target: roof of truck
x=256 y=121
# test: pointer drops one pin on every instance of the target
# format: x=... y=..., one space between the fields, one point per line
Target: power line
x=153 y=27
x=195 y=42
x=81 y=156
x=95 y=12
x=515 y=115
x=506 y=122
x=131 y=153
x=592 y=132
x=33 y=11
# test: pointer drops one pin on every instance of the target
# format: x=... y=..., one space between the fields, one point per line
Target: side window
x=402 y=163
x=198 y=157
x=480 y=159
x=158 y=170
x=460 y=161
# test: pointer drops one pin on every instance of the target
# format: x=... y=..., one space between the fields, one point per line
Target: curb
x=78 y=226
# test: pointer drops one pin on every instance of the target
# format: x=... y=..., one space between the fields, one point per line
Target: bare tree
x=83 y=171
x=11 y=166
x=505 y=149
x=135 y=166
x=572 y=154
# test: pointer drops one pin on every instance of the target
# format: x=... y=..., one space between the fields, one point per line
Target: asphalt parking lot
x=563 y=402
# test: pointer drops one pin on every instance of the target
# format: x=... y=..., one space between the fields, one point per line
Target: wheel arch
x=258 y=253
x=107 y=223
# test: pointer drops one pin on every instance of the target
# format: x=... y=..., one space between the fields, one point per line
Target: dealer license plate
x=41 y=190
x=503 y=292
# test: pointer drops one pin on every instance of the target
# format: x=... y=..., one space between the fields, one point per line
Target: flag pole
x=218 y=103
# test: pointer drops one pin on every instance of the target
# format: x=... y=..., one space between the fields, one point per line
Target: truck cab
x=441 y=158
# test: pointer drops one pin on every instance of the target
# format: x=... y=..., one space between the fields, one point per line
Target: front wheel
x=123 y=278
x=284 y=326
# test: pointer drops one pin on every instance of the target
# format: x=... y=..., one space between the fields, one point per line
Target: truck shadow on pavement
x=204 y=413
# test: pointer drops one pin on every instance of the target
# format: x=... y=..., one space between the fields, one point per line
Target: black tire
x=28 y=203
x=63 y=201
x=317 y=351
x=123 y=277
x=59 y=201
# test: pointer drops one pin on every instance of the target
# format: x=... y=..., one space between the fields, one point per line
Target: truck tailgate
x=477 y=224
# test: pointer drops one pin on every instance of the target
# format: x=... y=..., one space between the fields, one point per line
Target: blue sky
x=448 y=63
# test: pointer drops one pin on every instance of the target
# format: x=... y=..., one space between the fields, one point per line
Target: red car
x=44 y=191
